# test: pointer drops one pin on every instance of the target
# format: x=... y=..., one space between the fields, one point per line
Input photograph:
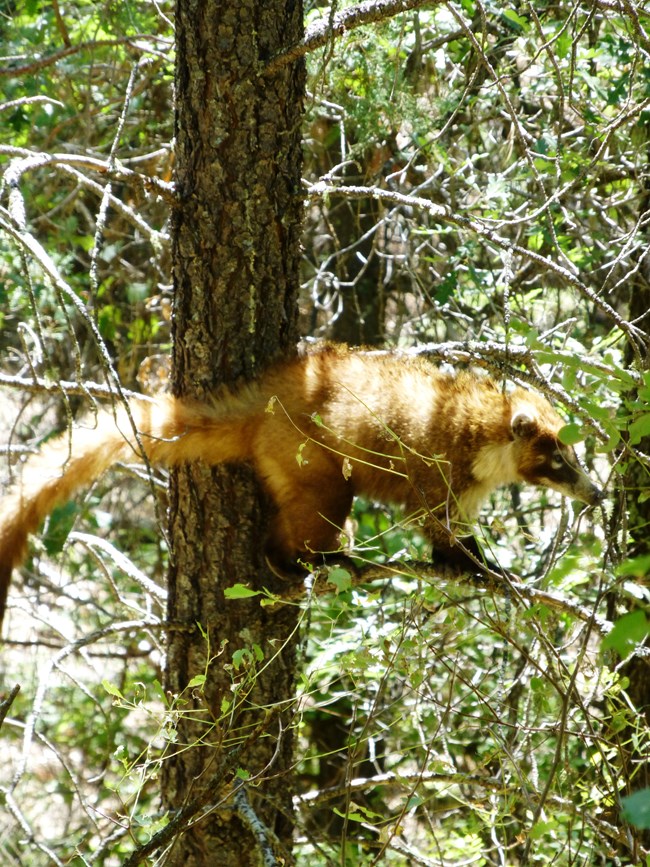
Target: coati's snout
x=582 y=489
x=544 y=460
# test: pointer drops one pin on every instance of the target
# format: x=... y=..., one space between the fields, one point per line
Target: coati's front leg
x=462 y=552
x=450 y=542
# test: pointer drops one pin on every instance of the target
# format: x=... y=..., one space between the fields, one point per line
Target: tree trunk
x=635 y=293
x=637 y=669
x=236 y=253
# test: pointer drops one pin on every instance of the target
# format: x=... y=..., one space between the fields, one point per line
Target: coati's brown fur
x=319 y=430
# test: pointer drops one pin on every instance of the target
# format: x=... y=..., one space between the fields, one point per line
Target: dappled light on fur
x=318 y=431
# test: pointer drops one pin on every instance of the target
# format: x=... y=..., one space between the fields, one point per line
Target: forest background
x=476 y=184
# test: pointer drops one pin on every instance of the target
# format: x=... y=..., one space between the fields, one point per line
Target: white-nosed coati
x=318 y=430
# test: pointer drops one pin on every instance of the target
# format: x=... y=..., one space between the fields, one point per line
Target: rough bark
x=236 y=251
x=637 y=669
x=635 y=294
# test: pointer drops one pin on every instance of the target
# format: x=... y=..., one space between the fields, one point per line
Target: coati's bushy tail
x=169 y=431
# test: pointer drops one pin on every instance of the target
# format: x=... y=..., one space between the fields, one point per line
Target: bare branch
x=50 y=59
x=29 y=160
x=38 y=385
x=320 y=33
x=323 y=189
x=265 y=837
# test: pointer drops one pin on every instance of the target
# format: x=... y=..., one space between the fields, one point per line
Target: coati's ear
x=523 y=424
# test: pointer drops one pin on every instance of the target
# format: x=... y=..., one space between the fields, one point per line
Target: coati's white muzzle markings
x=551 y=463
x=453 y=440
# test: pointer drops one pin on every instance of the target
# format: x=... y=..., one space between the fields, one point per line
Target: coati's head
x=541 y=459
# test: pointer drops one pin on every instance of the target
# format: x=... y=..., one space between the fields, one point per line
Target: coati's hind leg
x=307 y=525
x=311 y=496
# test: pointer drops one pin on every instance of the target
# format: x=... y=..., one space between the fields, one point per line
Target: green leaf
x=240 y=591
x=613 y=440
x=640 y=428
x=628 y=632
x=446 y=288
x=636 y=808
x=58 y=528
x=571 y=434
x=197 y=680
x=541 y=828
x=340 y=578
x=516 y=21
x=359 y=813
x=242 y=657
x=637 y=566
x=111 y=690
x=299 y=457
x=351 y=816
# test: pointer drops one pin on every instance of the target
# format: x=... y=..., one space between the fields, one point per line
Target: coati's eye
x=557 y=460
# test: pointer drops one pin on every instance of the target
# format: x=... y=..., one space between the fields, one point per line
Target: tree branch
x=432 y=573
x=51 y=59
x=266 y=839
x=40 y=385
x=28 y=160
x=320 y=33
x=323 y=189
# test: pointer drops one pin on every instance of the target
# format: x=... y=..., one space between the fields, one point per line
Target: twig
x=53 y=662
x=28 y=160
x=203 y=803
x=30 y=100
x=107 y=193
x=123 y=563
x=12 y=806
